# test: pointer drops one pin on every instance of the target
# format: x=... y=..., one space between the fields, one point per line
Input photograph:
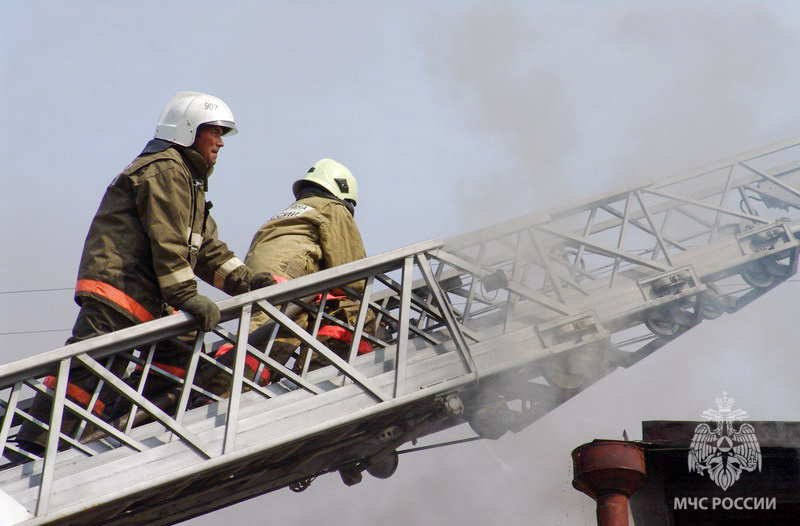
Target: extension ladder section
x=494 y=329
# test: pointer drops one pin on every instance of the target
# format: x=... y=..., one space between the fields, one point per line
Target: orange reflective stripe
x=318 y=298
x=342 y=334
x=116 y=296
x=174 y=370
x=253 y=364
x=80 y=395
x=249 y=361
x=171 y=369
x=223 y=350
x=328 y=297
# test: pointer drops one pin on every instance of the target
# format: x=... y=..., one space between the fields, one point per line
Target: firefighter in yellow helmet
x=316 y=232
x=150 y=237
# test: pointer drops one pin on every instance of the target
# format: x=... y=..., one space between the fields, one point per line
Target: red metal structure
x=609 y=471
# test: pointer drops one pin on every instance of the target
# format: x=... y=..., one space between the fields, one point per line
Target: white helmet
x=186 y=111
x=333 y=177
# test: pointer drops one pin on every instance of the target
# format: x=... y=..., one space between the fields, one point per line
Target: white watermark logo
x=721 y=450
x=726 y=503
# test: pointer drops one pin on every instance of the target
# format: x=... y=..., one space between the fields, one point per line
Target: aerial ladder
x=494 y=329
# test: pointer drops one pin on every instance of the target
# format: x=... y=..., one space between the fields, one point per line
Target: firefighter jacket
x=312 y=234
x=316 y=232
x=152 y=233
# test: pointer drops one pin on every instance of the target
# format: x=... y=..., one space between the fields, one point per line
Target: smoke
x=571 y=100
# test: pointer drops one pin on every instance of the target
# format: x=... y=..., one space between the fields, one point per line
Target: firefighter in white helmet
x=316 y=232
x=150 y=237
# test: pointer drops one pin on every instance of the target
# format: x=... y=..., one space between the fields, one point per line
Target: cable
x=33 y=290
x=34 y=332
x=29 y=291
x=442 y=444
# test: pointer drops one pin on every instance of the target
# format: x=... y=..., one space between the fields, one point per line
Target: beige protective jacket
x=152 y=233
x=312 y=234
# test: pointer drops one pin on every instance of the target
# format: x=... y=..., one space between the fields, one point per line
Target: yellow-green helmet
x=333 y=177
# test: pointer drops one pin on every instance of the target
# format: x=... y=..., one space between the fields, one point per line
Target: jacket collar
x=197 y=165
x=314 y=190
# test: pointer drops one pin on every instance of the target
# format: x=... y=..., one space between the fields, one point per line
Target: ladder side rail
x=678 y=202
x=743 y=182
x=458 y=242
x=181 y=323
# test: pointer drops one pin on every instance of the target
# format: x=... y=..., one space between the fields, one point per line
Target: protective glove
x=238 y=281
x=203 y=310
x=262 y=279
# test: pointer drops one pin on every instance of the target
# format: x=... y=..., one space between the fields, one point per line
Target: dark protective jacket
x=152 y=233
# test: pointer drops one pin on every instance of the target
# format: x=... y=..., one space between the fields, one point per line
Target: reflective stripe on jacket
x=343 y=335
x=250 y=362
x=77 y=393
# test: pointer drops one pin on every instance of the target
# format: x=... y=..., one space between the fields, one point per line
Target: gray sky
x=453 y=116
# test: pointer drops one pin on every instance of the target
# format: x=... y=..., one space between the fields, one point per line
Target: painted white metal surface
x=12 y=511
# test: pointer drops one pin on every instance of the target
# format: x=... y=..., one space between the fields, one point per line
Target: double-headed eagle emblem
x=724 y=452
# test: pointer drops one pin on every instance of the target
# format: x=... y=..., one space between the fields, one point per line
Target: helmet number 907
x=210 y=106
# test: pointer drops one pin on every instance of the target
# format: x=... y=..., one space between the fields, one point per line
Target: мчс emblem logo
x=720 y=449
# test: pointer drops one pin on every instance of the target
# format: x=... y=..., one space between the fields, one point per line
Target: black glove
x=238 y=281
x=203 y=310
x=261 y=280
